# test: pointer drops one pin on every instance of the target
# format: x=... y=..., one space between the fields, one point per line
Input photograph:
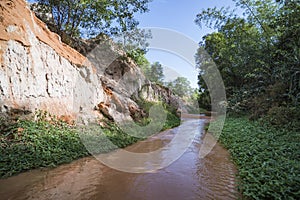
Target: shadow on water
x=189 y=177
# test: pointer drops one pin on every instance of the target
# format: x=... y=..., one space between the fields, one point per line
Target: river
x=189 y=177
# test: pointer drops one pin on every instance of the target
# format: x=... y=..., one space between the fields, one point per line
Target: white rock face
x=36 y=77
x=38 y=72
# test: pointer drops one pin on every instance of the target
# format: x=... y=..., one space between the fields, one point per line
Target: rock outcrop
x=39 y=72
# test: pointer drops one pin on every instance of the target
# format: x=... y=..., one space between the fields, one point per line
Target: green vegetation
x=138 y=55
x=154 y=72
x=80 y=22
x=30 y=144
x=181 y=86
x=91 y=17
x=48 y=142
x=267 y=158
x=256 y=54
x=172 y=120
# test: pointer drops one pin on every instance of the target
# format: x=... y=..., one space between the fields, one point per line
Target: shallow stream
x=189 y=177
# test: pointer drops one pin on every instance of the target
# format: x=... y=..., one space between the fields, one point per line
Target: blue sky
x=178 y=15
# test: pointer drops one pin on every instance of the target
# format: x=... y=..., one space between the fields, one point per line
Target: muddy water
x=189 y=177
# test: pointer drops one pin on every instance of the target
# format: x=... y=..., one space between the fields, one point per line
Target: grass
x=268 y=159
x=30 y=144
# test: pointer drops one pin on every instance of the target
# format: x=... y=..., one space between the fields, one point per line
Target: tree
x=181 y=86
x=134 y=40
x=138 y=55
x=156 y=73
x=257 y=55
x=91 y=17
x=287 y=55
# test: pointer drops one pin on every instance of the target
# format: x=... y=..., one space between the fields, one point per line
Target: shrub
x=267 y=159
x=287 y=117
x=31 y=144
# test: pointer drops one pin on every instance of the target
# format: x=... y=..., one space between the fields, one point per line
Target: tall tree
x=91 y=17
x=258 y=55
x=156 y=73
x=181 y=86
x=287 y=54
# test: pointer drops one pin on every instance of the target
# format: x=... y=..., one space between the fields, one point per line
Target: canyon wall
x=39 y=72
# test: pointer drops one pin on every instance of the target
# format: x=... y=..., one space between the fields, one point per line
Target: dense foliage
x=172 y=120
x=84 y=23
x=267 y=158
x=91 y=17
x=181 y=86
x=155 y=73
x=30 y=144
x=257 y=55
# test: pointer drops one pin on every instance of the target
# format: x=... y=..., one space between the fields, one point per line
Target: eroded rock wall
x=39 y=72
x=154 y=93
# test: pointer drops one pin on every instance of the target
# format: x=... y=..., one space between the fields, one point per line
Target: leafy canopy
x=91 y=17
x=181 y=86
x=257 y=55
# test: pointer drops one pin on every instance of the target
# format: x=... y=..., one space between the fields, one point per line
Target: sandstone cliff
x=39 y=72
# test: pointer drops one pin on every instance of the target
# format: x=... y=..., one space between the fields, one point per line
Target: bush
x=287 y=117
x=32 y=144
x=28 y=144
x=267 y=159
x=172 y=119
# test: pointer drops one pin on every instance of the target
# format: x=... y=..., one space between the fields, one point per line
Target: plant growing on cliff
x=91 y=17
x=172 y=119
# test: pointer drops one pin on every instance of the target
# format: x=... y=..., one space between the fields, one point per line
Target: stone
x=39 y=72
